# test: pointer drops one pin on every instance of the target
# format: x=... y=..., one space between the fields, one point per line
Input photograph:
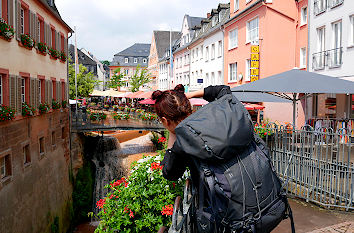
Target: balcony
x=318 y=60
x=334 y=3
x=334 y=57
x=320 y=6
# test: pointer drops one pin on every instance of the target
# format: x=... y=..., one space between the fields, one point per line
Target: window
x=126 y=60
x=206 y=53
x=192 y=55
x=334 y=3
x=53 y=37
x=219 y=48
x=220 y=78
x=321 y=39
x=26 y=155
x=41 y=146
x=252 y=30
x=351 y=31
x=40 y=91
x=197 y=54
x=236 y=5
x=1 y=100
x=335 y=55
x=62 y=133
x=206 y=79
x=23 y=91
x=212 y=52
x=212 y=81
x=53 y=138
x=303 y=57
x=5 y=166
x=22 y=20
x=248 y=70
x=201 y=52
x=135 y=60
x=304 y=15
x=144 y=60
x=320 y=6
x=233 y=38
x=233 y=72
x=320 y=55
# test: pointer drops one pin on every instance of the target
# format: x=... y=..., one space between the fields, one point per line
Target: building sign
x=199 y=80
x=254 y=72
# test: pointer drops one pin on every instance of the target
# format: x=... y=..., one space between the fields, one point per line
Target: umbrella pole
x=294 y=112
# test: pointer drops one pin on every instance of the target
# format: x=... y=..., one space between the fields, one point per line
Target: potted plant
x=43 y=108
x=42 y=48
x=27 y=41
x=6 y=113
x=28 y=110
x=6 y=31
x=54 y=53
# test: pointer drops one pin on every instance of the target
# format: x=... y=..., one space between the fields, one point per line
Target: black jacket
x=174 y=163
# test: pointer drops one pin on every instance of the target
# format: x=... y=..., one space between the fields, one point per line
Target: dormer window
x=135 y=60
x=144 y=60
x=214 y=20
x=126 y=60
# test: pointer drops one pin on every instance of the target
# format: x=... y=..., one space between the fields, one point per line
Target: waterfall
x=108 y=165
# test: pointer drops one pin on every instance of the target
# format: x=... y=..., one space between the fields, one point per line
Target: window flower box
x=27 y=41
x=6 y=31
x=43 y=108
x=28 y=110
x=55 y=105
x=42 y=48
x=6 y=113
x=54 y=54
x=63 y=57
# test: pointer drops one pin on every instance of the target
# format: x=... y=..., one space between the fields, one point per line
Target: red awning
x=147 y=101
x=198 y=102
x=253 y=106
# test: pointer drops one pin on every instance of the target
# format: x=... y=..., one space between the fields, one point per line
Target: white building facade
x=331 y=52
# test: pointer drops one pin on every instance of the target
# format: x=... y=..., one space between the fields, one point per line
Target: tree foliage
x=140 y=78
x=85 y=82
x=105 y=62
x=117 y=79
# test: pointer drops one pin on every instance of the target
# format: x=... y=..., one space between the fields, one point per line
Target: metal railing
x=321 y=169
x=334 y=57
x=320 y=6
x=318 y=60
x=81 y=123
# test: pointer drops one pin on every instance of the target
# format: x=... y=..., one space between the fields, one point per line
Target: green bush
x=141 y=203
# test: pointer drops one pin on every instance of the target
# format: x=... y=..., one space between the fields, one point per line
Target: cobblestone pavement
x=313 y=219
x=347 y=227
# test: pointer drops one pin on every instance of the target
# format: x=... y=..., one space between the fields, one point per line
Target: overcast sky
x=105 y=27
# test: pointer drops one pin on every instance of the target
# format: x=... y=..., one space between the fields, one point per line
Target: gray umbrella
x=297 y=81
x=258 y=97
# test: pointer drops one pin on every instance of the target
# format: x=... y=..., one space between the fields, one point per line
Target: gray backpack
x=238 y=189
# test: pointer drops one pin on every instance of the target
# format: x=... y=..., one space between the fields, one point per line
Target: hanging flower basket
x=6 y=31
x=42 y=48
x=28 y=110
x=6 y=113
x=54 y=53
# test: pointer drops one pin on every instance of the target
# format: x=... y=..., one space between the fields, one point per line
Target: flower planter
x=39 y=52
x=23 y=46
x=7 y=39
x=53 y=58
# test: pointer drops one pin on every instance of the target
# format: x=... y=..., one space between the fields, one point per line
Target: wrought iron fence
x=334 y=57
x=319 y=60
x=318 y=165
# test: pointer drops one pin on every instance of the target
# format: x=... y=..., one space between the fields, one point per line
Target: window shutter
x=18 y=19
x=46 y=90
x=50 y=92
x=57 y=91
x=18 y=96
x=10 y=5
x=36 y=36
x=13 y=94
x=60 y=92
x=30 y=18
x=33 y=93
x=65 y=46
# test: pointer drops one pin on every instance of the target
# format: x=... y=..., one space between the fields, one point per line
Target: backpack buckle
x=207 y=172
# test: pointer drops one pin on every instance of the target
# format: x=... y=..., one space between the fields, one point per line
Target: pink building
x=279 y=27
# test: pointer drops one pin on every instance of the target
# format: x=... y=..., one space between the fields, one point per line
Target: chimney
x=208 y=15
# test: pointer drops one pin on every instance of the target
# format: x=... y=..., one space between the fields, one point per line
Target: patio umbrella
x=144 y=95
x=198 y=102
x=147 y=101
x=290 y=83
x=253 y=106
x=133 y=94
x=258 y=97
x=97 y=93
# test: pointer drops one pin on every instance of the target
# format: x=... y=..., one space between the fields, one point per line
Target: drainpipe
x=67 y=99
x=189 y=72
x=221 y=28
x=308 y=49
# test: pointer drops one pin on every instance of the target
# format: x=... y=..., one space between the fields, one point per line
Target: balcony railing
x=320 y=6
x=334 y=57
x=334 y=3
x=318 y=61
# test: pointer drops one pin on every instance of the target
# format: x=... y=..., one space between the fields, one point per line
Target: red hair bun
x=156 y=95
x=179 y=88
